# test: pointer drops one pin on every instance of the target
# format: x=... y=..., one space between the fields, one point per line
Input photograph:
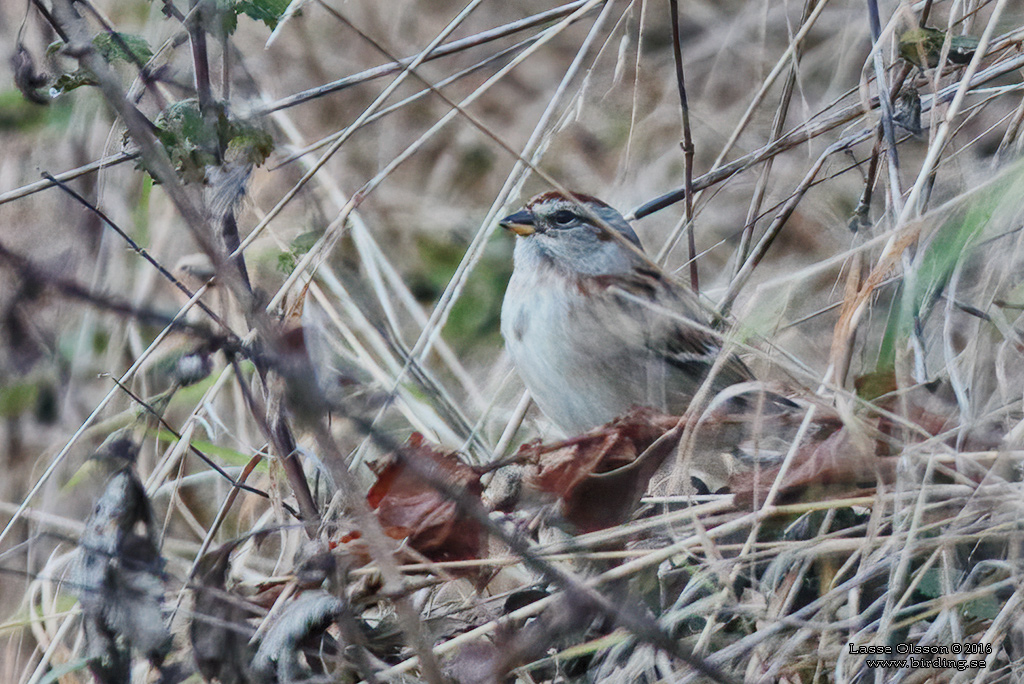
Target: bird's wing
x=675 y=327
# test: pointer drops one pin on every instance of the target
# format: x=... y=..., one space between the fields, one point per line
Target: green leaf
x=65 y=83
x=923 y=46
x=930 y=584
x=985 y=608
x=267 y=11
x=225 y=455
x=190 y=142
x=113 y=50
x=193 y=141
x=287 y=261
x=249 y=144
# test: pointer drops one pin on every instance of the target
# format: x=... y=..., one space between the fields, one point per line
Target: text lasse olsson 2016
x=967 y=648
x=935 y=651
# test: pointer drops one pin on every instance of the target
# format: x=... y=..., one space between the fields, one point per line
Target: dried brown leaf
x=599 y=477
x=409 y=505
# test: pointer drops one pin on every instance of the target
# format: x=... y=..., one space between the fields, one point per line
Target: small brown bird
x=592 y=327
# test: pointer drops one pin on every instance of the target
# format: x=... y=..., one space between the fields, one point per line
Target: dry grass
x=373 y=226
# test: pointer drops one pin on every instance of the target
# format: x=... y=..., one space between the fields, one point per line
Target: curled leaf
x=599 y=477
x=409 y=505
x=119 y=580
x=303 y=623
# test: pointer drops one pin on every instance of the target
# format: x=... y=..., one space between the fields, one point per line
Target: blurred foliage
x=925 y=280
x=922 y=46
x=112 y=47
x=17 y=114
x=984 y=607
x=288 y=260
x=476 y=317
x=194 y=143
x=17 y=397
x=122 y=47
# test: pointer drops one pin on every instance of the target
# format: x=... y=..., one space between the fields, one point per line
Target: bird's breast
x=568 y=355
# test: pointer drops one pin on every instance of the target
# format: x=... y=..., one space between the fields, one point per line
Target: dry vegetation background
x=914 y=538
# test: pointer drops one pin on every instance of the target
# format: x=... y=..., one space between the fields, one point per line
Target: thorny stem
x=200 y=59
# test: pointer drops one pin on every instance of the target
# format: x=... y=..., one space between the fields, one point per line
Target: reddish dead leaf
x=600 y=476
x=410 y=507
x=839 y=466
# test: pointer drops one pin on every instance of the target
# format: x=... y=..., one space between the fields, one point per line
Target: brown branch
x=156 y=161
x=35 y=279
x=200 y=59
x=687 y=145
x=272 y=423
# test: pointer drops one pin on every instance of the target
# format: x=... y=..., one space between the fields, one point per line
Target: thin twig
x=235 y=484
x=38 y=186
x=885 y=105
x=777 y=126
x=442 y=50
x=809 y=131
x=141 y=251
x=687 y=144
x=780 y=220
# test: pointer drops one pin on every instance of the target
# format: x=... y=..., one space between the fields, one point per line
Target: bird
x=593 y=327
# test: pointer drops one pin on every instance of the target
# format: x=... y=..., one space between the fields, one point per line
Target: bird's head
x=577 y=232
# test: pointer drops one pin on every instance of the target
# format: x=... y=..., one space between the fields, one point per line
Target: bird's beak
x=521 y=223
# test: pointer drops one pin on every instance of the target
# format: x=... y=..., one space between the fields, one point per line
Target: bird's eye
x=563 y=217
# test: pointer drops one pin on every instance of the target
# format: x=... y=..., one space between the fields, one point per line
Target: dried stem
x=687 y=145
